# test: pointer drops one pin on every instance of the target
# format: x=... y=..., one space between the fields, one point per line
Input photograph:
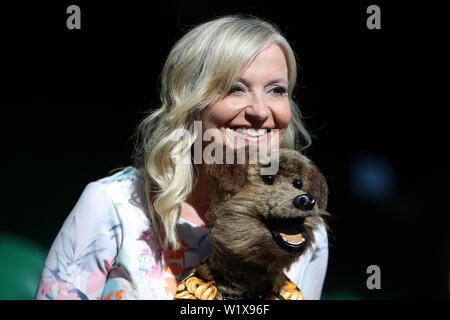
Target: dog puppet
x=261 y=224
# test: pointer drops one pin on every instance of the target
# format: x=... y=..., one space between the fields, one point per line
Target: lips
x=288 y=234
x=251 y=131
x=249 y=135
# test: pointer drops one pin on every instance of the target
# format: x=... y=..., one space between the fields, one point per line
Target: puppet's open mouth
x=288 y=234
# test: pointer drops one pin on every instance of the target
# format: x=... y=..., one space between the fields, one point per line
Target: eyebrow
x=247 y=82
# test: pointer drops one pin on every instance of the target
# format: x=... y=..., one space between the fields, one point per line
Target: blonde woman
x=137 y=233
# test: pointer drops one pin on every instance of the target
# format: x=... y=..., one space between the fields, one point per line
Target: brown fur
x=246 y=261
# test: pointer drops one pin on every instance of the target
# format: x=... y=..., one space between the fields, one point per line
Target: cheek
x=282 y=115
x=217 y=114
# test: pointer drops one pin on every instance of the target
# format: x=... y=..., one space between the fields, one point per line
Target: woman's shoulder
x=124 y=181
x=124 y=187
x=120 y=175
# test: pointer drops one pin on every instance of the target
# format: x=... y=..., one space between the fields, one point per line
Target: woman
x=137 y=233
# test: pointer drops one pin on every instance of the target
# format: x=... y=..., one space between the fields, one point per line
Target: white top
x=105 y=249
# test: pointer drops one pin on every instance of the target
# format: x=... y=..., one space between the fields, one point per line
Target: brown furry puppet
x=261 y=225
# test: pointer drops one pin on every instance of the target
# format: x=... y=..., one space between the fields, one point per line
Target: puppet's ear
x=229 y=177
x=318 y=187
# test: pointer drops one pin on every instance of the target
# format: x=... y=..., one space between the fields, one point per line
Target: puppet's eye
x=268 y=179
x=297 y=184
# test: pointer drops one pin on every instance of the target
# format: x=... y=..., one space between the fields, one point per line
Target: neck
x=196 y=206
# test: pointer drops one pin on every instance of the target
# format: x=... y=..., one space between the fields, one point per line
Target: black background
x=71 y=100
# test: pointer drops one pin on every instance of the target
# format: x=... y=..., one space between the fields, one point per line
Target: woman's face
x=257 y=104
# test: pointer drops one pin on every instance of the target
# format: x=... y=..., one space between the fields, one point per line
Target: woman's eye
x=279 y=91
x=236 y=88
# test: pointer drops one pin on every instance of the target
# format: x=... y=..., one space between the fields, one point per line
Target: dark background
x=374 y=99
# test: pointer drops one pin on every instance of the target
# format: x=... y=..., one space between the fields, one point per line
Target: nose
x=257 y=109
x=304 y=202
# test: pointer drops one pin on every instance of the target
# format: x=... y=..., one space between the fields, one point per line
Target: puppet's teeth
x=294 y=243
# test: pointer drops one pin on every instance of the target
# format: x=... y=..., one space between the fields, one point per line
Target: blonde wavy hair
x=201 y=66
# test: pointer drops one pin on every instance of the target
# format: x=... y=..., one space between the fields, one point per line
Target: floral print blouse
x=106 y=250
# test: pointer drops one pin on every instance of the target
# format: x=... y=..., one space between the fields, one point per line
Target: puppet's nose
x=304 y=202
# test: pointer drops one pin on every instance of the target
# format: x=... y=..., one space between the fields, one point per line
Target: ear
x=318 y=187
x=229 y=177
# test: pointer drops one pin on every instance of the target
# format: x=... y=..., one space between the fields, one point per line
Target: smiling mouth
x=288 y=234
x=251 y=135
x=251 y=131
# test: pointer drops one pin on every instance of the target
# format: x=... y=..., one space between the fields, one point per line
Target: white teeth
x=251 y=132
